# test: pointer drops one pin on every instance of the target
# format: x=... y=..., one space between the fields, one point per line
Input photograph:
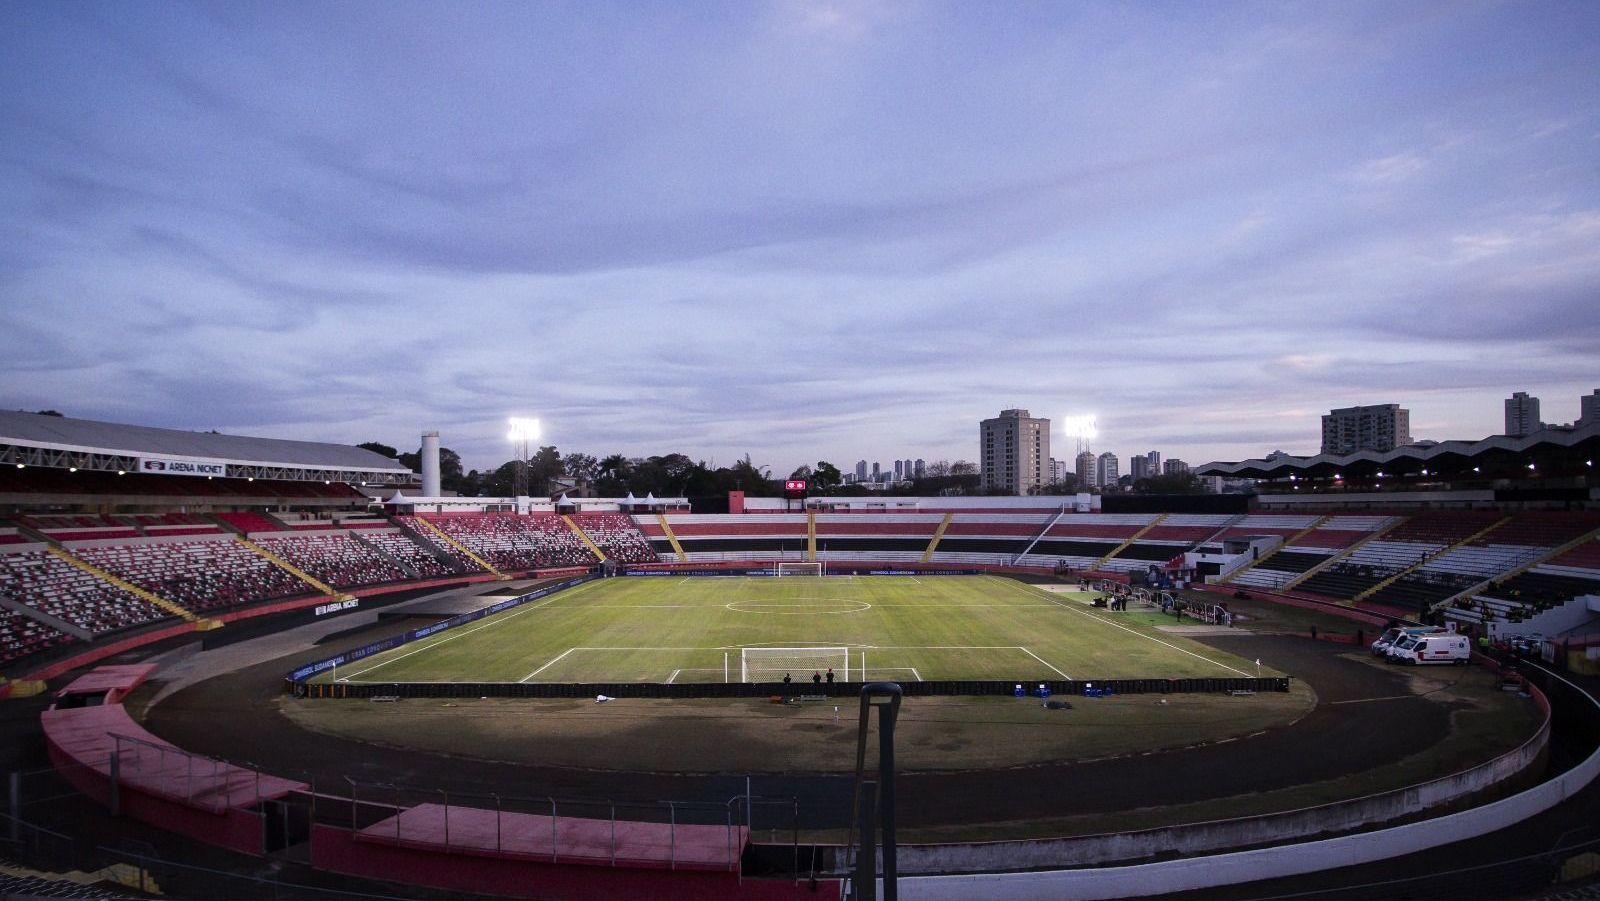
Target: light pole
x=524 y=432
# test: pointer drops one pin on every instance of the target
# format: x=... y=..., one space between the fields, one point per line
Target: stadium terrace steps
x=426 y=561
x=1543 y=578
x=458 y=546
x=938 y=535
x=1432 y=555
x=171 y=607
x=1130 y=540
x=1287 y=540
x=594 y=549
x=70 y=596
x=337 y=559
x=1382 y=530
x=288 y=567
x=666 y=529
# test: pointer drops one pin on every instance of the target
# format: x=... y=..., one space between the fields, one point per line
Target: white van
x=1388 y=639
x=1432 y=649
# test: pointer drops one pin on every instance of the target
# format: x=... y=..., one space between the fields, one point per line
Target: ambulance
x=1417 y=649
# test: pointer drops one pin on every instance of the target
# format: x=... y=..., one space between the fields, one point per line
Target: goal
x=772 y=664
x=802 y=569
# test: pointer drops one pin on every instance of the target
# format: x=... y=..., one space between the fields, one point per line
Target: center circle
x=818 y=607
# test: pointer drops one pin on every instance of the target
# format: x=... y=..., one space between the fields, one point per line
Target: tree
x=801 y=472
x=545 y=465
x=582 y=467
x=382 y=450
x=753 y=480
x=938 y=469
x=826 y=476
x=963 y=468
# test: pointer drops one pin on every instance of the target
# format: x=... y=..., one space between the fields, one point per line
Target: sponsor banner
x=378 y=647
x=180 y=466
x=336 y=606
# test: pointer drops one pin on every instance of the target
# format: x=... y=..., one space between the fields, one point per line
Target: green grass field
x=904 y=628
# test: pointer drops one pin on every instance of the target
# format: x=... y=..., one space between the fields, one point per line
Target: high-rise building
x=1379 y=427
x=1084 y=465
x=921 y=467
x=1153 y=462
x=1138 y=467
x=877 y=476
x=1522 y=414
x=1014 y=450
x=1174 y=467
x=1105 y=470
x=861 y=470
x=1589 y=408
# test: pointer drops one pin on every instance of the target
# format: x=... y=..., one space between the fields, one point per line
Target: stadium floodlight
x=1079 y=426
x=523 y=429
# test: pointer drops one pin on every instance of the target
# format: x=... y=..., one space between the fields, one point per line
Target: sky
x=798 y=230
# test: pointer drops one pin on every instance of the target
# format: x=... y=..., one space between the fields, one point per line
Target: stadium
x=252 y=667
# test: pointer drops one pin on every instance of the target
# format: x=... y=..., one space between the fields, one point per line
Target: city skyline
x=831 y=231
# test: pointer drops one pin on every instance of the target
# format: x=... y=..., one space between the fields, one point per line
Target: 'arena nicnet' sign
x=179 y=466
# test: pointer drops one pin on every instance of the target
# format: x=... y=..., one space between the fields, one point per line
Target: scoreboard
x=794 y=488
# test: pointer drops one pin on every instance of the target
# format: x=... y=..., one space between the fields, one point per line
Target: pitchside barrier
x=800 y=692
x=299 y=676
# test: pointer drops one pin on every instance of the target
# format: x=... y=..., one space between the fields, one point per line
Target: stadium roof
x=56 y=433
x=1583 y=439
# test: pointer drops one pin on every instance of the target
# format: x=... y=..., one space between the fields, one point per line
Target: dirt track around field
x=1367 y=716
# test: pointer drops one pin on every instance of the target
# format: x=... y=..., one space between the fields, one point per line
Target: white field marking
x=1369 y=700
x=546 y=666
x=916 y=675
x=797 y=609
x=639 y=607
x=452 y=634
x=1045 y=662
x=673 y=676
x=1116 y=625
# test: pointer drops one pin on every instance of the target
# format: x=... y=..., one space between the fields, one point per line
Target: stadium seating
x=426 y=561
x=1515 y=543
x=756 y=536
x=170 y=525
x=249 y=522
x=337 y=560
x=21 y=636
x=510 y=542
x=202 y=574
x=79 y=528
x=617 y=537
x=887 y=537
x=55 y=587
x=1080 y=540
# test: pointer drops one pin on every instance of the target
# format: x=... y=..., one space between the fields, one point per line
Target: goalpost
x=802 y=569
x=772 y=664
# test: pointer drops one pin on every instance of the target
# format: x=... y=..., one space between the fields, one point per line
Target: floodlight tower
x=1081 y=428
x=524 y=433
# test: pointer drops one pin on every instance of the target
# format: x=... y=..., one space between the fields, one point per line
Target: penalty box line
x=1116 y=625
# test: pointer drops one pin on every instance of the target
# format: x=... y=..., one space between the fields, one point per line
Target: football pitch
x=899 y=628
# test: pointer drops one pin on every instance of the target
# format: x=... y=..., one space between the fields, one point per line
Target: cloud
x=803 y=231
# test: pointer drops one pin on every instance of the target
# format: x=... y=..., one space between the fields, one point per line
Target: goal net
x=801 y=569
x=772 y=664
